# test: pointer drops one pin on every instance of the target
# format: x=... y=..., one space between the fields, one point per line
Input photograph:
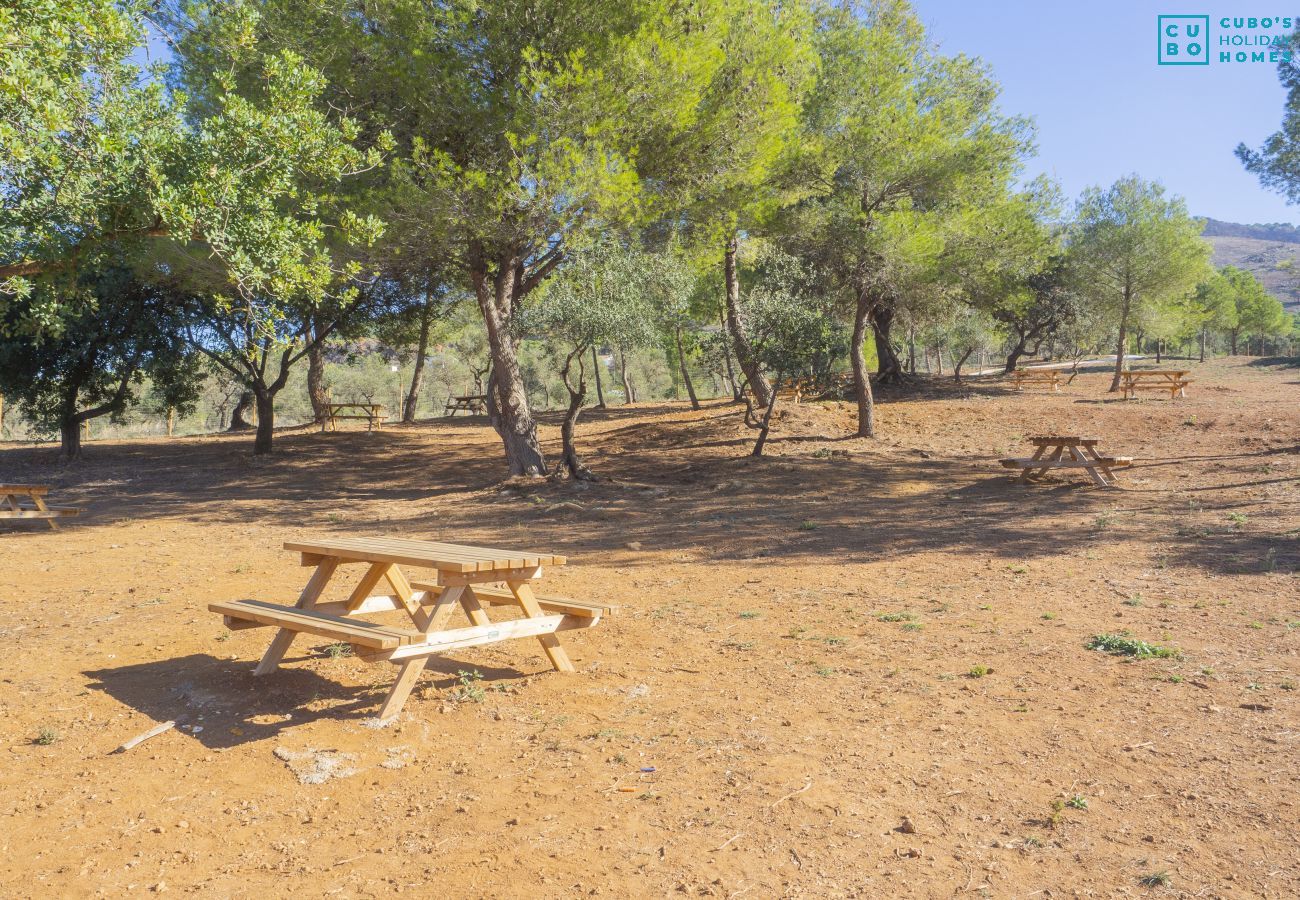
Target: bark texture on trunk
x=956 y=369
x=889 y=366
x=1121 y=344
x=686 y=373
x=508 y=407
x=758 y=382
x=316 y=382
x=595 y=368
x=767 y=426
x=861 y=378
x=265 y=423
x=1017 y=351
x=629 y=395
x=70 y=437
x=238 y=418
x=570 y=463
x=421 y=357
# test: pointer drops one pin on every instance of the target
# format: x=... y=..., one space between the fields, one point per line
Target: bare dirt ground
x=795 y=657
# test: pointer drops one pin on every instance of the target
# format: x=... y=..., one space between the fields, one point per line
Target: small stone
x=907 y=827
x=634 y=545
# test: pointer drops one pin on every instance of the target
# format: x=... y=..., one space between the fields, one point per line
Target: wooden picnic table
x=471 y=403
x=1047 y=376
x=372 y=413
x=27 y=501
x=466 y=578
x=1068 y=452
x=1175 y=381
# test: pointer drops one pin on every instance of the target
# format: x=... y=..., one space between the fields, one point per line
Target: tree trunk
x=938 y=359
x=956 y=369
x=629 y=396
x=265 y=422
x=731 y=373
x=238 y=422
x=316 y=382
x=1159 y=347
x=758 y=382
x=861 y=378
x=686 y=374
x=911 y=349
x=1202 y=345
x=70 y=437
x=1120 y=345
x=1017 y=351
x=570 y=462
x=888 y=367
x=767 y=426
x=508 y=407
x=421 y=358
x=595 y=367
x=171 y=420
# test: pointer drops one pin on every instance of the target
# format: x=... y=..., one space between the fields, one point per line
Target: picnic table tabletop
x=1064 y=440
x=28 y=489
x=459 y=558
x=469 y=578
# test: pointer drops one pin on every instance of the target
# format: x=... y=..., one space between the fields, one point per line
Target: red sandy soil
x=801 y=746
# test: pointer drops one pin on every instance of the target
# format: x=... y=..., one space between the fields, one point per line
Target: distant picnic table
x=473 y=404
x=1046 y=376
x=1175 y=381
x=372 y=413
x=1068 y=452
x=27 y=501
x=467 y=578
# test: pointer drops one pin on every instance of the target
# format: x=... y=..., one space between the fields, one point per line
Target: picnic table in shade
x=1175 y=381
x=474 y=404
x=372 y=413
x=27 y=501
x=1045 y=376
x=466 y=578
x=1068 y=452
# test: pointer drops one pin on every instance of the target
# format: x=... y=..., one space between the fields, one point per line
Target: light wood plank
x=306 y=600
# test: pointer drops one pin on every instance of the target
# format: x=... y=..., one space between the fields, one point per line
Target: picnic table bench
x=1068 y=452
x=467 y=578
x=1175 y=381
x=27 y=501
x=1046 y=376
x=372 y=413
x=474 y=404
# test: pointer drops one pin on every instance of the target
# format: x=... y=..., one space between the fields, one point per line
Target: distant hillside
x=1261 y=249
x=1275 y=231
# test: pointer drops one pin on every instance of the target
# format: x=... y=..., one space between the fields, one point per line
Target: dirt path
x=849 y=669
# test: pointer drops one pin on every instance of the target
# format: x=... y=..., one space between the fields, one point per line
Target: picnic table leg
x=373 y=576
x=39 y=503
x=523 y=594
x=408 y=672
x=473 y=608
x=306 y=600
x=1108 y=476
x=1024 y=473
x=1096 y=476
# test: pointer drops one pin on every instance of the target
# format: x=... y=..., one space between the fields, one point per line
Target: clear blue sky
x=1087 y=73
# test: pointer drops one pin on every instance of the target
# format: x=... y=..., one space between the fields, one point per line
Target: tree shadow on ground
x=1275 y=362
x=231 y=707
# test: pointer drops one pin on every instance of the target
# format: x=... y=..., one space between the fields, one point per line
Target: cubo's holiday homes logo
x=1184 y=40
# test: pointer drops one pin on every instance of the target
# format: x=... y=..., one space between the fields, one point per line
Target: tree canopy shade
x=1133 y=249
x=99 y=158
x=123 y=330
x=606 y=294
x=910 y=138
x=518 y=127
